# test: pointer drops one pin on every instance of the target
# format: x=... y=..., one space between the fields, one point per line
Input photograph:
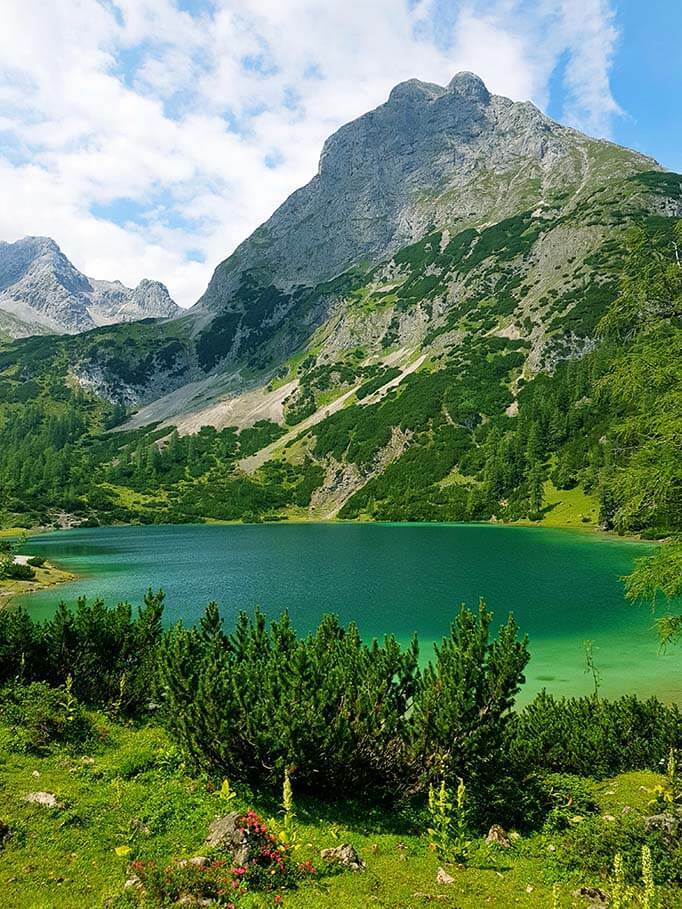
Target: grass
x=569 y=508
x=47 y=576
x=129 y=792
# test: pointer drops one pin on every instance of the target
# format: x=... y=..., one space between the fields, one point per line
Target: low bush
x=564 y=798
x=591 y=845
x=346 y=716
x=589 y=736
x=17 y=571
x=109 y=653
x=39 y=716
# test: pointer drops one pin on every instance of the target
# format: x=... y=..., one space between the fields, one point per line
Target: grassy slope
x=126 y=794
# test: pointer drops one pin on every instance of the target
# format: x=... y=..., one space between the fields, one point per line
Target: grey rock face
x=345 y=855
x=44 y=799
x=41 y=292
x=227 y=833
x=449 y=157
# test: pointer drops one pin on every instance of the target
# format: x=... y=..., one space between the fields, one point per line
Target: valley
x=404 y=490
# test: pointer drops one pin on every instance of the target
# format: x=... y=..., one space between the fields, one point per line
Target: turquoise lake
x=563 y=587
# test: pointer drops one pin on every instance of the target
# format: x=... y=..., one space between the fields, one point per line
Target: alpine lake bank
x=121 y=821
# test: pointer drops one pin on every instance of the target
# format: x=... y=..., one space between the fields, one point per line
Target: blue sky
x=647 y=79
x=149 y=137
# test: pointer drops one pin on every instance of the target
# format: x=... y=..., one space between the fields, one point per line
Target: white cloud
x=181 y=115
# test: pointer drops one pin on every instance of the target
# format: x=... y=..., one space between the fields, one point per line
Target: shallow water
x=563 y=587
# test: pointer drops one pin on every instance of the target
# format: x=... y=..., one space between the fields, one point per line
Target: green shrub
x=36 y=561
x=18 y=572
x=462 y=709
x=39 y=716
x=107 y=651
x=592 y=737
x=349 y=717
x=563 y=798
x=253 y=704
x=592 y=844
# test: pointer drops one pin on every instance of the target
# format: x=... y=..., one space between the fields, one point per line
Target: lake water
x=563 y=587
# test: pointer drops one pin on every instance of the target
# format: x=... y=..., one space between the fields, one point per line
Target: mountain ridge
x=42 y=292
x=448 y=378
x=435 y=137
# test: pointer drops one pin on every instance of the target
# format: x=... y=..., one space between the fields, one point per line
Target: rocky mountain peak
x=448 y=156
x=470 y=86
x=42 y=291
x=414 y=91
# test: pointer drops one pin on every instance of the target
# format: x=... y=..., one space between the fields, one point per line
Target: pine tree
x=536 y=491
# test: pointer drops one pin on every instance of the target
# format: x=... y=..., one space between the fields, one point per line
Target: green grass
x=128 y=792
x=569 y=508
x=47 y=576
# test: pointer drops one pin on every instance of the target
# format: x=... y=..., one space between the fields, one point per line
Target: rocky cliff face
x=42 y=292
x=448 y=157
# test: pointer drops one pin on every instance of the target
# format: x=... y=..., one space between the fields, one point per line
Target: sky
x=149 y=137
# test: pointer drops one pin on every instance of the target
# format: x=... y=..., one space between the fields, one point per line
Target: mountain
x=430 y=329
x=41 y=292
x=429 y=157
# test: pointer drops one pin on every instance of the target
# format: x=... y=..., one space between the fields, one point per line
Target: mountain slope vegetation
x=524 y=339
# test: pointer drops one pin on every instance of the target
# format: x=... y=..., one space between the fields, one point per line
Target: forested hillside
x=471 y=434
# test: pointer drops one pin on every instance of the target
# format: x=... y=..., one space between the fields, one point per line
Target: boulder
x=344 y=855
x=443 y=877
x=668 y=824
x=45 y=799
x=228 y=834
x=598 y=897
x=497 y=836
x=200 y=861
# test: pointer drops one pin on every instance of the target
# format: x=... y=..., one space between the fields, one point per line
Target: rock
x=497 y=836
x=608 y=817
x=46 y=799
x=43 y=292
x=133 y=883
x=598 y=897
x=228 y=834
x=668 y=824
x=4 y=832
x=199 y=860
x=444 y=878
x=344 y=855
x=530 y=888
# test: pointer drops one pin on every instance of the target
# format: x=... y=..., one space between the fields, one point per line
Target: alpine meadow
x=471 y=315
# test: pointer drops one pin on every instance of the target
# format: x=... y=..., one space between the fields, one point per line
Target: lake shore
x=47 y=576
